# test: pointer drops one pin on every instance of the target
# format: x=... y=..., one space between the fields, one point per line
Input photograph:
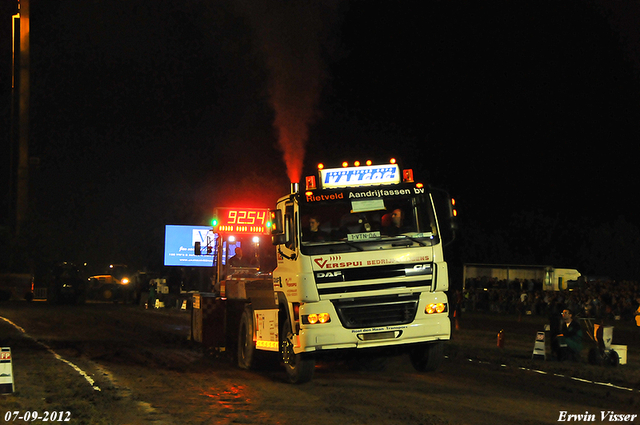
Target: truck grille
x=370 y=312
x=358 y=280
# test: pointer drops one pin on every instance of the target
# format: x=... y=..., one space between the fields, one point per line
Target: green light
x=214 y=222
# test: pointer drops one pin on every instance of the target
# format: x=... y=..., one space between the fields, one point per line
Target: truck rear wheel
x=246 y=347
x=249 y=357
x=427 y=357
x=299 y=367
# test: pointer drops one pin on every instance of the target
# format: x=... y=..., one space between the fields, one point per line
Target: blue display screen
x=180 y=242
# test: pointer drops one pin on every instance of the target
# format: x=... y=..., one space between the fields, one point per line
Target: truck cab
x=360 y=265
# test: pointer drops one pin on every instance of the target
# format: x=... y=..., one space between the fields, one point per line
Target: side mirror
x=447 y=213
x=196 y=249
x=277 y=227
x=279 y=239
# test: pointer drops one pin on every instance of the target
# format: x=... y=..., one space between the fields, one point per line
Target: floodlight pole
x=21 y=68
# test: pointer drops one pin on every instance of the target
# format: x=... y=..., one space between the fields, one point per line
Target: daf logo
x=328 y=274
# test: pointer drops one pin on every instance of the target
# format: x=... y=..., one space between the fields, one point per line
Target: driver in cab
x=396 y=225
x=239 y=260
x=314 y=234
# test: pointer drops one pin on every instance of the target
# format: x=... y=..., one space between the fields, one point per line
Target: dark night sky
x=153 y=112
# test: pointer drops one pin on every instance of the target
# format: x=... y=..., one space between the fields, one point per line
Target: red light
x=356 y=164
x=345 y=164
x=407 y=175
x=392 y=161
x=419 y=185
x=320 y=166
x=311 y=183
x=369 y=162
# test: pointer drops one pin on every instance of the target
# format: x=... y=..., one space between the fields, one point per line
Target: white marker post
x=539 y=347
x=6 y=371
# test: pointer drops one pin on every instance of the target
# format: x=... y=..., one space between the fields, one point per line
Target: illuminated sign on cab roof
x=372 y=175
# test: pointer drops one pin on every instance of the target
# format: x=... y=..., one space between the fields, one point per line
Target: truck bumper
x=332 y=335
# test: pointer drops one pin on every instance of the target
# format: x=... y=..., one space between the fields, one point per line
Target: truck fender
x=285 y=311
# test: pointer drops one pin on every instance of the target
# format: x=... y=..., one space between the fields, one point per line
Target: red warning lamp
x=311 y=182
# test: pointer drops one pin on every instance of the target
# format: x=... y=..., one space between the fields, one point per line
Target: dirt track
x=148 y=372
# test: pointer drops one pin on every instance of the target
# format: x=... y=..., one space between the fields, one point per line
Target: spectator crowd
x=601 y=300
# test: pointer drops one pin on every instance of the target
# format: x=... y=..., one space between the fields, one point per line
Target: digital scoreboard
x=242 y=221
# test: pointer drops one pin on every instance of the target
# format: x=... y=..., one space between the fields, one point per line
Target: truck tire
x=246 y=346
x=249 y=357
x=299 y=367
x=427 y=357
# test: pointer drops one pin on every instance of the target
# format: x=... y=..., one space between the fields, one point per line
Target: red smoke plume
x=294 y=113
x=291 y=35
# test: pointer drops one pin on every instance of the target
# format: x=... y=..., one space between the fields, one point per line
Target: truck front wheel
x=427 y=357
x=300 y=366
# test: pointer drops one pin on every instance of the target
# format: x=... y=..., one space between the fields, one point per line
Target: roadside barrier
x=6 y=371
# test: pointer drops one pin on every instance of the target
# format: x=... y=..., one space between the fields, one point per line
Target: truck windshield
x=344 y=223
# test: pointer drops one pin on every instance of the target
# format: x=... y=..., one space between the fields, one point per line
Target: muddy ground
x=118 y=364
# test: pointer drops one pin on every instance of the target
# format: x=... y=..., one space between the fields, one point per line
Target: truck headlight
x=311 y=319
x=435 y=308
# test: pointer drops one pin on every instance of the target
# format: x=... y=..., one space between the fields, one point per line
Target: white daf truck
x=359 y=265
